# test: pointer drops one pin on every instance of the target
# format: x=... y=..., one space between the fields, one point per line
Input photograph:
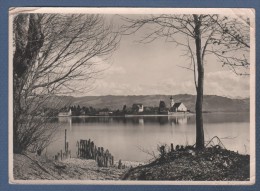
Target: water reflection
x=161 y=120
x=137 y=120
x=178 y=120
x=65 y=120
x=124 y=135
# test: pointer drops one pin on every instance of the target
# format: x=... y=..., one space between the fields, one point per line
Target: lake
x=136 y=138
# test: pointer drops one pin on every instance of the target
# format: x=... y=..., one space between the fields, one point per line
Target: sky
x=154 y=68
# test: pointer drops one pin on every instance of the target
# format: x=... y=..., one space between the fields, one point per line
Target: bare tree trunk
x=199 y=100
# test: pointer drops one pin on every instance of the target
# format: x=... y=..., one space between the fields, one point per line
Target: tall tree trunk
x=28 y=42
x=199 y=100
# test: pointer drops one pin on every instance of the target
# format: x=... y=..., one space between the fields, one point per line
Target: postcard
x=151 y=96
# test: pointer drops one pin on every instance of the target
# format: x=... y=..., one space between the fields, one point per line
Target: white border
x=226 y=11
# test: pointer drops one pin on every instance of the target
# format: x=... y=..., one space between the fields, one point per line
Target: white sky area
x=144 y=69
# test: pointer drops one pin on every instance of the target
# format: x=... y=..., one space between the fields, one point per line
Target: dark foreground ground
x=211 y=164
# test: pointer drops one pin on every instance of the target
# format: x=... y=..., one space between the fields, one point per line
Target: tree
x=124 y=109
x=162 y=107
x=225 y=37
x=51 y=53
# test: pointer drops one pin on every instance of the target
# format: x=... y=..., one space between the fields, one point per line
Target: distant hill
x=212 y=103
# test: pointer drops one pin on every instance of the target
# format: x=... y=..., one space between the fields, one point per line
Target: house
x=65 y=113
x=137 y=107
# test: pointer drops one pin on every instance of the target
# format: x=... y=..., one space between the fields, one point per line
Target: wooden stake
x=171 y=146
x=65 y=140
x=60 y=154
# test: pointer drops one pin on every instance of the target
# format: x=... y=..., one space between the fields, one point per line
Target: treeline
x=91 y=111
x=78 y=110
x=75 y=111
x=135 y=110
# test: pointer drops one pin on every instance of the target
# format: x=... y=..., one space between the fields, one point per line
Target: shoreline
x=154 y=115
x=130 y=115
x=188 y=164
x=162 y=115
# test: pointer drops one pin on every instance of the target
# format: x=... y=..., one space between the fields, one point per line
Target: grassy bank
x=211 y=164
x=31 y=167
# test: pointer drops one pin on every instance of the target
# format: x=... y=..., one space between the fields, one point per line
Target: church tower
x=172 y=101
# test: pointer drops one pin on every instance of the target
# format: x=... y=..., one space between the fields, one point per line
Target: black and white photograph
x=131 y=96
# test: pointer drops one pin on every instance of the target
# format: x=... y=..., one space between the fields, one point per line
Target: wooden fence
x=88 y=150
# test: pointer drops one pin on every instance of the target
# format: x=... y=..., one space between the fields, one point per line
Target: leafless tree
x=200 y=35
x=52 y=52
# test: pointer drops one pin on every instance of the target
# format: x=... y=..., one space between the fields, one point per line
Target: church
x=177 y=107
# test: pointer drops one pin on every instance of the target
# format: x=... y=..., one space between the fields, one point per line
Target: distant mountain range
x=211 y=103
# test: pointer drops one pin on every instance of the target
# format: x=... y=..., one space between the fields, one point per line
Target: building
x=65 y=113
x=177 y=107
x=138 y=107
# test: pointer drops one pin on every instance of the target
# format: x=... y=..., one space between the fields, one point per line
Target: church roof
x=176 y=105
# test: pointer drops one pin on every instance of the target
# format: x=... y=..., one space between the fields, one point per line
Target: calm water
x=131 y=138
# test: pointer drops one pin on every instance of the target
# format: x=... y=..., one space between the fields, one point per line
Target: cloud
x=177 y=87
x=104 y=87
x=223 y=83
x=226 y=83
